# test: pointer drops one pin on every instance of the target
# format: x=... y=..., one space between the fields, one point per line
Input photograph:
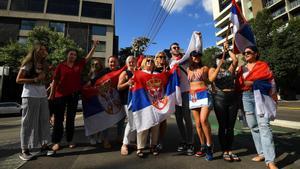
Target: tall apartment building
x=280 y=9
x=81 y=20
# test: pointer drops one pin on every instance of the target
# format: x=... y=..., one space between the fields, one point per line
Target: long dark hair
x=194 y=65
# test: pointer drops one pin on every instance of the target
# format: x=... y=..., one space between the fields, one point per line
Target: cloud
x=194 y=15
x=207 y=5
x=205 y=24
x=178 y=6
x=181 y=4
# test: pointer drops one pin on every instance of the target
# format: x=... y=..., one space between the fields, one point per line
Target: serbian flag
x=264 y=103
x=198 y=99
x=102 y=107
x=153 y=97
x=243 y=35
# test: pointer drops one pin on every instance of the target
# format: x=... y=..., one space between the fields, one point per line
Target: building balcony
x=294 y=5
x=271 y=3
x=223 y=31
x=220 y=42
x=278 y=13
x=223 y=22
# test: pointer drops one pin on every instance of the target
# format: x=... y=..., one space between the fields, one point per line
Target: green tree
x=139 y=45
x=12 y=53
x=279 y=45
x=208 y=55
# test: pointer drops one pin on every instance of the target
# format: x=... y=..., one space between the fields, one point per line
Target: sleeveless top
x=124 y=93
x=225 y=80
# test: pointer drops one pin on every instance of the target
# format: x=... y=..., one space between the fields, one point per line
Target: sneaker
x=181 y=147
x=50 y=153
x=159 y=146
x=25 y=156
x=201 y=152
x=190 y=150
x=209 y=154
x=44 y=150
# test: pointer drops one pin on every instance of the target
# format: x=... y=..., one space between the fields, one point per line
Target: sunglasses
x=162 y=57
x=247 y=53
x=175 y=47
x=150 y=60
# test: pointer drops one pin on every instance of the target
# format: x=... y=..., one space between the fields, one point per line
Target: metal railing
x=269 y=3
x=294 y=4
x=278 y=12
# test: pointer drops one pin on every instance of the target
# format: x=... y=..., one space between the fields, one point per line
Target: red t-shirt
x=68 y=78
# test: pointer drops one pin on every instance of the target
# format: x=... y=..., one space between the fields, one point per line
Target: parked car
x=10 y=108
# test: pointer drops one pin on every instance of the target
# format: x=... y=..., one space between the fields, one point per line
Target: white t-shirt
x=33 y=90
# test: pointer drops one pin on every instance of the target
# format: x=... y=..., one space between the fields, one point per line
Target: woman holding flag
x=198 y=102
x=256 y=82
x=148 y=66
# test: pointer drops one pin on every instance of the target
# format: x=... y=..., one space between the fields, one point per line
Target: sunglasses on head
x=248 y=53
x=176 y=47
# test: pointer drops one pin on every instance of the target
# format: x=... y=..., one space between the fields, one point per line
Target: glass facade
x=27 y=5
x=3 y=4
x=27 y=24
x=65 y=7
x=96 y=10
x=57 y=26
x=98 y=30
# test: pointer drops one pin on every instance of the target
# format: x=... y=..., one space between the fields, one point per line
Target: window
x=27 y=24
x=57 y=26
x=65 y=7
x=98 y=30
x=96 y=10
x=3 y=4
x=27 y=5
x=101 y=47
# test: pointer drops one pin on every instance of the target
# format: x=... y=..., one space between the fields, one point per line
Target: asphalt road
x=86 y=156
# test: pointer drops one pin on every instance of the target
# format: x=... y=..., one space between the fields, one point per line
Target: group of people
x=202 y=88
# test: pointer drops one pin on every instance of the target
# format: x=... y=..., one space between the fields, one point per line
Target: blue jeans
x=260 y=128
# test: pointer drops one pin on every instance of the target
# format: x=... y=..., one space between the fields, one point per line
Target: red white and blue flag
x=153 y=97
x=102 y=107
x=243 y=35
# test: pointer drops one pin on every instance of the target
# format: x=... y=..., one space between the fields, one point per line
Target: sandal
x=140 y=153
x=227 y=157
x=258 y=158
x=155 y=150
x=272 y=165
x=234 y=157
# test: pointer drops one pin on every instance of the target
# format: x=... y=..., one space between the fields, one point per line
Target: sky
x=133 y=18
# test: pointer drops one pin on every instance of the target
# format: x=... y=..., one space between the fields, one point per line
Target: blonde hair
x=143 y=64
x=160 y=54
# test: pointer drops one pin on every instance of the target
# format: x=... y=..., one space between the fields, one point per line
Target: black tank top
x=124 y=93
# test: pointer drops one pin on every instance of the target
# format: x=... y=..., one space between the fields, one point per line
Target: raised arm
x=234 y=63
x=213 y=72
x=92 y=51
